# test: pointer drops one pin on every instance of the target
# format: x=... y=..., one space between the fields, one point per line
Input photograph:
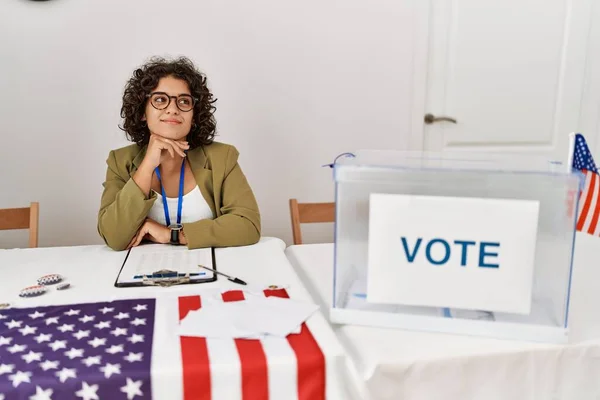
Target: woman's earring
x=144 y=124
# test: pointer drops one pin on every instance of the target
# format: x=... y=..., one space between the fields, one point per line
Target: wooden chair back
x=305 y=213
x=22 y=218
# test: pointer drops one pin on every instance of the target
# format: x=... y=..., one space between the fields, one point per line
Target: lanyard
x=180 y=198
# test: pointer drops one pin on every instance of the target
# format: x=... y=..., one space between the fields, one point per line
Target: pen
x=231 y=278
x=179 y=275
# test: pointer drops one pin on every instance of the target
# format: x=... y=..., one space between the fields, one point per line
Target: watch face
x=175 y=227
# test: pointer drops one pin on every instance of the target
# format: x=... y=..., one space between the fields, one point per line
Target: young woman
x=174 y=184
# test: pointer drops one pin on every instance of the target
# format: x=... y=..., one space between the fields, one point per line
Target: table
x=396 y=363
x=91 y=270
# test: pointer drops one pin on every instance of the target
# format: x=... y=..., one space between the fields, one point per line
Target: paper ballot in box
x=477 y=244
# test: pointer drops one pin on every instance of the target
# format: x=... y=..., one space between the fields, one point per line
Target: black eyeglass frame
x=194 y=100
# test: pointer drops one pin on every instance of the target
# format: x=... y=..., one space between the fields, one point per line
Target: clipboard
x=164 y=265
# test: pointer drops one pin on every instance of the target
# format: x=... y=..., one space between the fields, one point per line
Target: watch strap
x=175 y=229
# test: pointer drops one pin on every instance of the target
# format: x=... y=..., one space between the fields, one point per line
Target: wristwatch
x=175 y=229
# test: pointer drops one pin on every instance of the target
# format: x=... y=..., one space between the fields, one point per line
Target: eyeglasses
x=160 y=101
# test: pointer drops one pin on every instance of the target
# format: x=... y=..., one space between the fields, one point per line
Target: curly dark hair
x=146 y=78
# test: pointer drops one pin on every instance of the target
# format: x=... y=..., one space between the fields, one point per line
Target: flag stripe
x=225 y=366
x=187 y=304
x=587 y=195
x=589 y=198
x=167 y=367
x=233 y=295
x=594 y=205
x=254 y=369
x=194 y=357
x=596 y=231
x=283 y=368
x=309 y=357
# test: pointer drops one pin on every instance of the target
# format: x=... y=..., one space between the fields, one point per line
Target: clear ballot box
x=468 y=243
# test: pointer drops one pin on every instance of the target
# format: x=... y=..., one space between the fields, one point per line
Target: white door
x=509 y=72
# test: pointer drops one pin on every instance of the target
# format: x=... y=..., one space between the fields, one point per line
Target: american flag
x=589 y=209
x=120 y=350
x=85 y=351
x=263 y=372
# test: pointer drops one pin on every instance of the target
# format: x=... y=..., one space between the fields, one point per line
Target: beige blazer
x=124 y=207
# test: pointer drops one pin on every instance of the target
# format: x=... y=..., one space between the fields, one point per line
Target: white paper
x=253 y=318
x=149 y=258
x=463 y=283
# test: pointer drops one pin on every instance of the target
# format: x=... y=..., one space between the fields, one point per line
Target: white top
x=193 y=208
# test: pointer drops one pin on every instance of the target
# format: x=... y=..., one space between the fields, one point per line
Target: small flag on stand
x=589 y=197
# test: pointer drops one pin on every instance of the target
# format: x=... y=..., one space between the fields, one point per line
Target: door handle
x=430 y=119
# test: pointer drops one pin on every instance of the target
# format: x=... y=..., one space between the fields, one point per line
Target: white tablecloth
x=91 y=271
x=399 y=364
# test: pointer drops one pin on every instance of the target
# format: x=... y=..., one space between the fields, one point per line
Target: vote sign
x=467 y=253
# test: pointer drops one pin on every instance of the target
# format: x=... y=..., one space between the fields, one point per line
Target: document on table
x=254 y=318
x=147 y=260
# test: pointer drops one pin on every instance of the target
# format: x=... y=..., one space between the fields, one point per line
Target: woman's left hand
x=152 y=231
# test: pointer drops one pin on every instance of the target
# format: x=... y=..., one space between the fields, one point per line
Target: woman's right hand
x=159 y=148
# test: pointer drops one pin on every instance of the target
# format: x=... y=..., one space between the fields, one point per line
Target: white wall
x=297 y=83
x=589 y=122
